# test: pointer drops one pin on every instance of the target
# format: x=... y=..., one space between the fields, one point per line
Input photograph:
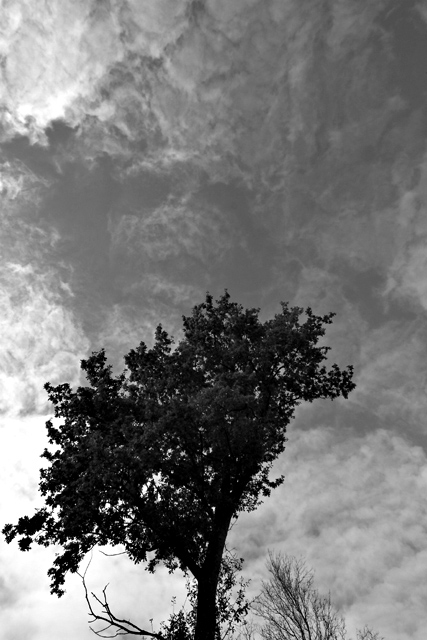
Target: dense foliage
x=163 y=457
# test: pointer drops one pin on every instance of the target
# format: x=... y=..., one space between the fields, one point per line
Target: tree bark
x=206 y=610
x=206 y=621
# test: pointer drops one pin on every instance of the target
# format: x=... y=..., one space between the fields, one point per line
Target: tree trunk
x=206 y=609
x=209 y=575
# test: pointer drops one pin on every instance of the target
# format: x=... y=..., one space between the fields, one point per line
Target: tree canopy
x=161 y=458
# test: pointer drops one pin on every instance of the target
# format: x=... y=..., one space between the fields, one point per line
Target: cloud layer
x=152 y=151
x=355 y=509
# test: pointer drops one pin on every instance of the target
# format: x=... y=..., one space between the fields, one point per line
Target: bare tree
x=368 y=634
x=292 y=609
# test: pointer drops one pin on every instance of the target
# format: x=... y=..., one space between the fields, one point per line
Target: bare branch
x=367 y=634
x=123 y=626
x=292 y=608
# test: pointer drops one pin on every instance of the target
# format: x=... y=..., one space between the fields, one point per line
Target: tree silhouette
x=162 y=458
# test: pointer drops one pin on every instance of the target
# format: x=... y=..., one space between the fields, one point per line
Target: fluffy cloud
x=259 y=92
x=355 y=509
x=44 y=49
x=27 y=607
x=234 y=85
x=40 y=340
x=56 y=55
x=24 y=577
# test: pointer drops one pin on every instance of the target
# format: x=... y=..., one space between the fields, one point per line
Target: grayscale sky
x=151 y=150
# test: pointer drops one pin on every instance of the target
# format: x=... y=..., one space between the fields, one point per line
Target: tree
x=229 y=613
x=162 y=458
x=292 y=608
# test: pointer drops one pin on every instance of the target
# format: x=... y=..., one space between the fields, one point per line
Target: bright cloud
x=40 y=340
x=202 y=78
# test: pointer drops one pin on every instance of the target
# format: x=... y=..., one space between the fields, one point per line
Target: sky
x=151 y=151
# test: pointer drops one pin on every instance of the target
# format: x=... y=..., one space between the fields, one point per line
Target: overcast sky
x=152 y=150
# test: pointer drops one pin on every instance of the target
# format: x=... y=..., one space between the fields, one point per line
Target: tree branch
x=123 y=627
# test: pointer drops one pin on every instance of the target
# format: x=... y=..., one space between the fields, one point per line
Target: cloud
x=16 y=179
x=391 y=374
x=406 y=275
x=421 y=8
x=348 y=20
x=123 y=328
x=354 y=507
x=151 y=28
x=27 y=606
x=20 y=188
x=40 y=339
x=172 y=230
x=234 y=89
x=258 y=93
x=301 y=104
x=45 y=50
x=55 y=55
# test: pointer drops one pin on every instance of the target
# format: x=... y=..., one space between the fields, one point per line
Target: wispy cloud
x=392 y=375
x=406 y=276
x=175 y=229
